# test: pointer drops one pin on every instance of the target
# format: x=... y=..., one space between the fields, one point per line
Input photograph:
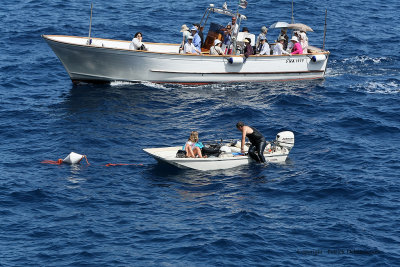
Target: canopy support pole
x=323 y=44
x=89 y=41
x=292 y=13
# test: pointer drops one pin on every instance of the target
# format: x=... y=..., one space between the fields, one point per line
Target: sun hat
x=281 y=38
x=194 y=28
x=184 y=28
x=190 y=37
x=262 y=37
x=217 y=41
x=294 y=38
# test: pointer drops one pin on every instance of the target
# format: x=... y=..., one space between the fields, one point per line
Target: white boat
x=104 y=60
x=229 y=156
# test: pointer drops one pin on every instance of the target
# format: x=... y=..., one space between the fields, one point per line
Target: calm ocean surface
x=336 y=201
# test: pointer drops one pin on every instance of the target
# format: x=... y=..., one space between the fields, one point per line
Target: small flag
x=243 y=3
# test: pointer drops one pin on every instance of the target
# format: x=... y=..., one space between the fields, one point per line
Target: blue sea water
x=334 y=203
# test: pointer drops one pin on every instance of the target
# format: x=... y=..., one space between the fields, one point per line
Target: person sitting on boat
x=304 y=41
x=284 y=35
x=185 y=34
x=136 y=43
x=291 y=44
x=247 y=34
x=257 y=140
x=248 y=49
x=216 y=48
x=196 y=38
x=226 y=46
x=296 y=46
x=278 y=48
x=263 y=33
x=263 y=47
x=193 y=146
x=189 y=47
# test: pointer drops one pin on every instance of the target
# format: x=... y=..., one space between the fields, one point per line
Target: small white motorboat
x=228 y=154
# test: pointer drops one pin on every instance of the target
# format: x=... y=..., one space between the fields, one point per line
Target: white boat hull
x=111 y=60
x=168 y=155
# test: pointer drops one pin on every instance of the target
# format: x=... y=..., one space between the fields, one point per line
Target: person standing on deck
x=264 y=31
x=285 y=36
x=234 y=27
x=196 y=38
x=257 y=140
x=185 y=34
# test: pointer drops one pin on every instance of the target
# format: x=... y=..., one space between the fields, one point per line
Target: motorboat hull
x=168 y=155
x=111 y=60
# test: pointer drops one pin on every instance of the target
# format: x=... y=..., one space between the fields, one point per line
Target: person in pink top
x=297 y=49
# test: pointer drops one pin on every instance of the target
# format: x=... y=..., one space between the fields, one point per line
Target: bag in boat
x=181 y=154
x=211 y=150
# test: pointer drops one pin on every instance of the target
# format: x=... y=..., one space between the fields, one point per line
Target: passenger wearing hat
x=263 y=33
x=216 y=48
x=296 y=46
x=278 y=48
x=284 y=35
x=248 y=49
x=196 y=38
x=189 y=47
x=263 y=48
x=185 y=34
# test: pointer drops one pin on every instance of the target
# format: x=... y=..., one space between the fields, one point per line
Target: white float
x=73 y=158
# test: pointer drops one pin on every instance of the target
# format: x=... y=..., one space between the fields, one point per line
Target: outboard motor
x=285 y=139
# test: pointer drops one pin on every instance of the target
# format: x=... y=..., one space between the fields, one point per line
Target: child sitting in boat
x=193 y=146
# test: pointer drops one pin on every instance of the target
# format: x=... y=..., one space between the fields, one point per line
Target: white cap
x=217 y=41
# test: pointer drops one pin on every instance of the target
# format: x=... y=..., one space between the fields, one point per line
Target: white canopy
x=279 y=24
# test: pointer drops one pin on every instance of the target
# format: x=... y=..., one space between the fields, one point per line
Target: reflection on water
x=232 y=184
x=75 y=178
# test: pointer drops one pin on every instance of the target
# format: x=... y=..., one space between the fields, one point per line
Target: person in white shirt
x=278 y=48
x=263 y=47
x=136 y=43
x=216 y=48
x=189 y=47
x=234 y=27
